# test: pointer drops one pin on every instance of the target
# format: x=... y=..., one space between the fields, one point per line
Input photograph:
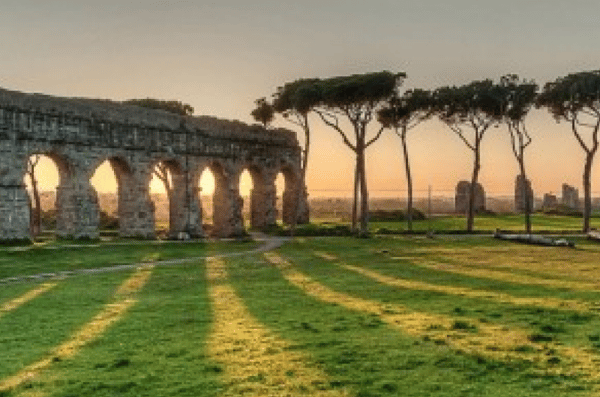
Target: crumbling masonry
x=80 y=134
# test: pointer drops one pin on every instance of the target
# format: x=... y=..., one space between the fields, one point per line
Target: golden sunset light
x=333 y=198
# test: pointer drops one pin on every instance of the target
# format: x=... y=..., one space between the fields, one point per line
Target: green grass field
x=387 y=316
x=64 y=256
x=489 y=223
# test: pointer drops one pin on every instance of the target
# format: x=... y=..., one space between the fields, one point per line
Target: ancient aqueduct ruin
x=80 y=134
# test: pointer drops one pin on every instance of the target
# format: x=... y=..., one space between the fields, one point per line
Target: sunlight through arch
x=162 y=188
x=42 y=179
x=105 y=182
x=246 y=185
x=206 y=192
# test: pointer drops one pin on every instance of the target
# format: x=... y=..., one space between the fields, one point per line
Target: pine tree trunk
x=364 y=196
x=474 y=179
x=302 y=184
x=409 y=210
x=37 y=209
x=355 y=194
x=587 y=189
x=525 y=194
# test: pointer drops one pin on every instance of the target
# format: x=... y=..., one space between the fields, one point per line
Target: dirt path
x=269 y=243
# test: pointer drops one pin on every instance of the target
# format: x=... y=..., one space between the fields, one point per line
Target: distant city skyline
x=220 y=57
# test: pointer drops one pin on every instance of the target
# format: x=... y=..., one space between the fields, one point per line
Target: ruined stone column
x=14 y=201
x=185 y=210
x=263 y=196
x=523 y=192
x=227 y=205
x=291 y=199
x=136 y=209
x=303 y=211
x=78 y=214
x=14 y=213
x=461 y=198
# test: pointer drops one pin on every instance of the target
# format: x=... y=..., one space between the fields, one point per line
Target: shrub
x=564 y=210
x=48 y=219
x=395 y=215
x=315 y=230
x=108 y=222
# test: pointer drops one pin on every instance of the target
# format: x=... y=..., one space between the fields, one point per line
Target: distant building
x=570 y=197
x=523 y=191
x=461 y=198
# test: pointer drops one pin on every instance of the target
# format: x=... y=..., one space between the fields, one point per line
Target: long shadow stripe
x=521 y=279
x=28 y=296
x=124 y=299
x=256 y=362
x=477 y=338
x=546 y=302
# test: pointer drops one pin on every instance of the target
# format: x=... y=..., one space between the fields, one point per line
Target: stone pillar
x=14 y=214
x=570 y=197
x=523 y=185
x=14 y=200
x=461 y=198
x=185 y=210
x=303 y=211
x=291 y=199
x=136 y=209
x=262 y=201
x=227 y=206
x=78 y=214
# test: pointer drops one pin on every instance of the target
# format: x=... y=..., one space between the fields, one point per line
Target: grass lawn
x=50 y=258
x=489 y=223
x=386 y=316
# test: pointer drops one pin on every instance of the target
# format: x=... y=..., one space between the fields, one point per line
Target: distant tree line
x=469 y=111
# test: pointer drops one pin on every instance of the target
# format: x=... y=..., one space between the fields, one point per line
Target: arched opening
x=45 y=174
x=206 y=189
x=245 y=186
x=167 y=184
x=110 y=180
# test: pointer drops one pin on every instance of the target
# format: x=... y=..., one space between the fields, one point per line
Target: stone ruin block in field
x=523 y=191
x=461 y=198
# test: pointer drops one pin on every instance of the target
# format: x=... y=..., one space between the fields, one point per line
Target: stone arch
x=292 y=197
x=227 y=205
x=262 y=199
x=76 y=201
x=125 y=178
x=83 y=130
x=173 y=180
x=35 y=186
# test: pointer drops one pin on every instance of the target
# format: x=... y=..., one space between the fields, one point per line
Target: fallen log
x=533 y=239
x=594 y=235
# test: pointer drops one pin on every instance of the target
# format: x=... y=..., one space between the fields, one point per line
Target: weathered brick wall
x=79 y=134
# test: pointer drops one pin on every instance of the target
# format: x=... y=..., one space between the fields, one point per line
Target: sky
x=219 y=56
